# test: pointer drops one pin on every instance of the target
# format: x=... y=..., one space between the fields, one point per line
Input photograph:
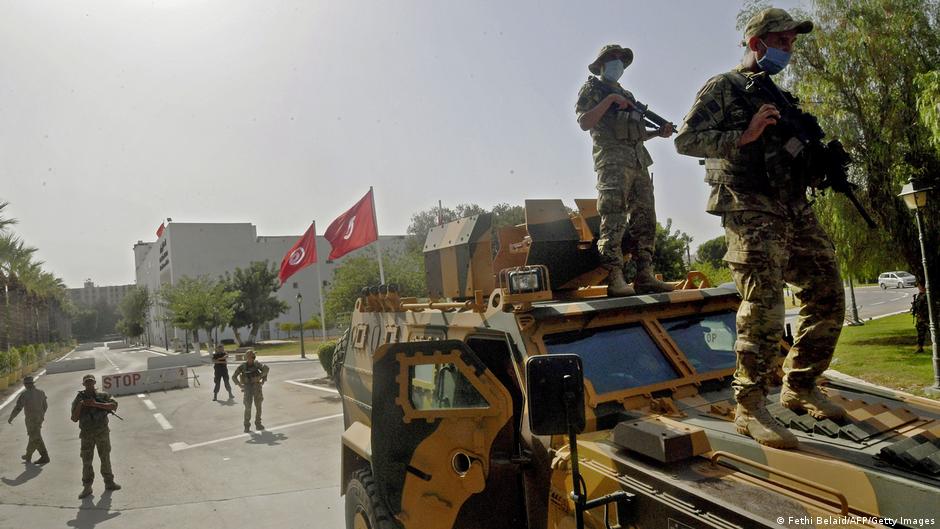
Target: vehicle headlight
x=522 y=281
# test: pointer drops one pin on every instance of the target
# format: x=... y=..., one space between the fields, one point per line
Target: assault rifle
x=826 y=164
x=652 y=119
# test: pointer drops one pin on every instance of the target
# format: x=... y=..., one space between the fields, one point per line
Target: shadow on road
x=227 y=402
x=30 y=472
x=266 y=438
x=91 y=514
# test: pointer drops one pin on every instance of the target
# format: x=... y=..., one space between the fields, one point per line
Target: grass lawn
x=292 y=348
x=882 y=352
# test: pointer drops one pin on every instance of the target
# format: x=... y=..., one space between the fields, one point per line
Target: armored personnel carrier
x=517 y=395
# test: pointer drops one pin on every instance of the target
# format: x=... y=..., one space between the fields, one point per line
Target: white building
x=212 y=249
x=90 y=295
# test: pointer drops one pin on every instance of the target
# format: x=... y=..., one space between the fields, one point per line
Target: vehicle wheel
x=364 y=508
x=900 y=284
x=883 y=286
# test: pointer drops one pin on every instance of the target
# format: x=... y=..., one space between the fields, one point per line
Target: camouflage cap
x=611 y=50
x=28 y=381
x=774 y=20
x=88 y=377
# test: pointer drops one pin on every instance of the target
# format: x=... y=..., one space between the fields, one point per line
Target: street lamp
x=303 y=354
x=916 y=199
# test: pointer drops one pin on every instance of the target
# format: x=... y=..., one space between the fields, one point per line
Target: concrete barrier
x=143 y=381
x=117 y=345
x=85 y=347
x=67 y=366
x=191 y=359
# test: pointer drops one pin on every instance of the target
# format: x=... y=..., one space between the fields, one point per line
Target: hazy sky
x=117 y=114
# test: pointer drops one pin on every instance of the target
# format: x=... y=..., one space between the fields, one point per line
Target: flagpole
x=378 y=241
x=320 y=296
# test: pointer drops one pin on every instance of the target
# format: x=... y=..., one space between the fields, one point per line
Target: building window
x=295 y=284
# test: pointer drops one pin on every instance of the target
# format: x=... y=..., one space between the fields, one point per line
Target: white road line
x=141 y=395
x=108 y=358
x=176 y=447
x=154 y=352
x=165 y=424
x=151 y=406
x=16 y=393
x=311 y=386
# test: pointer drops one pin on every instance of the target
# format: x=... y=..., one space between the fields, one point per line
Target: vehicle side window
x=441 y=386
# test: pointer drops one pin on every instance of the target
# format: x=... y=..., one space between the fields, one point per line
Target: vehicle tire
x=364 y=508
x=900 y=284
x=883 y=286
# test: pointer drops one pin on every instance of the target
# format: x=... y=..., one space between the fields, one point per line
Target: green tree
x=255 y=302
x=928 y=104
x=712 y=252
x=405 y=269
x=196 y=304
x=669 y=254
x=134 y=309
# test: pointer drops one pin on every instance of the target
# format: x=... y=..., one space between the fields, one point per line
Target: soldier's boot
x=617 y=286
x=751 y=418
x=43 y=458
x=247 y=427
x=26 y=457
x=215 y=397
x=646 y=283
x=259 y=426
x=111 y=485
x=86 y=491
x=813 y=401
x=231 y=396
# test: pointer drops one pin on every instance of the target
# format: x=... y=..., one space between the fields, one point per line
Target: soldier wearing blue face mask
x=624 y=188
x=758 y=171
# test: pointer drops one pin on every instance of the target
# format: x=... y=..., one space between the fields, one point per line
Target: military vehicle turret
x=460 y=410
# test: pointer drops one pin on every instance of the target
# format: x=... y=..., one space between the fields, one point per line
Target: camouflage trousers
x=253 y=394
x=35 y=442
x=100 y=439
x=764 y=252
x=625 y=204
x=923 y=329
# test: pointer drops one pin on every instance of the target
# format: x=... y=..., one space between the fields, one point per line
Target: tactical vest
x=762 y=166
x=621 y=134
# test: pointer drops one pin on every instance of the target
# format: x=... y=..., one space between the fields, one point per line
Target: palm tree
x=15 y=257
x=5 y=222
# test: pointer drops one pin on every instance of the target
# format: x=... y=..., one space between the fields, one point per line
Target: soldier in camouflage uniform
x=921 y=316
x=90 y=410
x=624 y=188
x=773 y=235
x=250 y=376
x=33 y=402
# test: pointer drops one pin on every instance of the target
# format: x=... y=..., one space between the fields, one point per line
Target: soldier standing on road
x=250 y=376
x=33 y=402
x=624 y=188
x=90 y=410
x=921 y=316
x=220 y=365
x=773 y=236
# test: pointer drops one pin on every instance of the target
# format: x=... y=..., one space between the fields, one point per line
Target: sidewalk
x=272 y=359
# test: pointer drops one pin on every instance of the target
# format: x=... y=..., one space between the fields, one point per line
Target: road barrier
x=190 y=360
x=143 y=381
x=117 y=345
x=67 y=366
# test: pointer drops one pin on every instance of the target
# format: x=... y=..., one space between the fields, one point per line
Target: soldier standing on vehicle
x=624 y=188
x=33 y=403
x=220 y=365
x=921 y=316
x=90 y=410
x=250 y=376
x=773 y=236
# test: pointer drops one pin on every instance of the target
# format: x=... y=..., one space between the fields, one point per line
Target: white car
x=896 y=280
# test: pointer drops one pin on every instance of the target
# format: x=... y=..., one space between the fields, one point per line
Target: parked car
x=897 y=280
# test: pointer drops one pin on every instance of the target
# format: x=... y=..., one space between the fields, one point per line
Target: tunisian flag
x=353 y=229
x=301 y=254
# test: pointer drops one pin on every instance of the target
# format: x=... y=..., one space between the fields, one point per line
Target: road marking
x=165 y=424
x=141 y=395
x=154 y=352
x=151 y=406
x=108 y=358
x=176 y=447
x=311 y=386
x=12 y=397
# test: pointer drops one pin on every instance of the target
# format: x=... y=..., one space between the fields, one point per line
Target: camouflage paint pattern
x=94 y=434
x=33 y=403
x=251 y=378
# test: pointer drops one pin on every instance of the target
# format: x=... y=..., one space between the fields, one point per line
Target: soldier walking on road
x=921 y=316
x=90 y=410
x=624 y=188
x=250 y=376
x=758 y=183
x=220 y=365
x=33 y=403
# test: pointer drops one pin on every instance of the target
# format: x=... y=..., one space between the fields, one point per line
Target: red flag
x=353 y=229
x=160 y=230
x=301 y=254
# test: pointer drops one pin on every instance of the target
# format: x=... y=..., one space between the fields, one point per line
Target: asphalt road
x=872 y=302
x=182 y=459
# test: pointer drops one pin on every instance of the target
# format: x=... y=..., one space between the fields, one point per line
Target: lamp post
x=303 y=354
x=916 y=199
